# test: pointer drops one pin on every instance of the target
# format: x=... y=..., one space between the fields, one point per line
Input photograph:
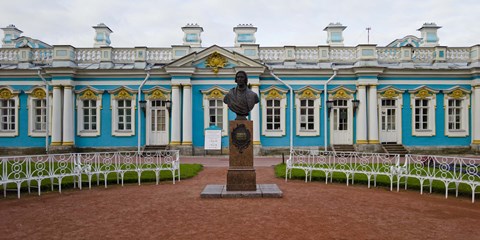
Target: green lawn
x=382 y=180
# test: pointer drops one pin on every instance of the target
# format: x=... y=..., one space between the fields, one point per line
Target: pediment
x=212 y=56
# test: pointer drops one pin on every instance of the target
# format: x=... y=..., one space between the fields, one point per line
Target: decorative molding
x=157 y=94
x=123 y=94
x=215 y=94
x=457 y=94
x=390 y=94
x=216 y=61
x=88 y=95
x=6 y=94
x=423 y=94
x=342 y=94
x=274 y=94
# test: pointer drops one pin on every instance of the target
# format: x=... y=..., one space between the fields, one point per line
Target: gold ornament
x=6 y=94
x=88 y=95
x=308 y=94
x=157 y=95
x=341 y=94
x=457 y=94
x=274 y=94
x=216 y=61
x=390 y=93
x=422 y=94
x=123 y=94
x=39 y=93
x=215 y=94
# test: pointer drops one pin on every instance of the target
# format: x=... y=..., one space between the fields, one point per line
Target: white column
x=372 y=115
x=187 y=115
x=57 y=116
x=362 y=115
x=175 y=140
x=68 y=116
x=255 y=115
x=476 y=115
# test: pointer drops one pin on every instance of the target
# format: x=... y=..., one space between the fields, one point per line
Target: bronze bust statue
x=241 y=99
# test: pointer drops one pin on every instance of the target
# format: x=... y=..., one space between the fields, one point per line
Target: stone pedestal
x=241 y=174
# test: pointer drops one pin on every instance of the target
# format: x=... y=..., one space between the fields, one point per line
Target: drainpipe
x=47 y=120
x=325 y=97
x=291 y=105
x=139 y=122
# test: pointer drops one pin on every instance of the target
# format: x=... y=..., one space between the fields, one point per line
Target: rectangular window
x=7 y=115
x=124 y=115
x=39 y=115
x=454 y=114
x=90 y=115
x=273 y=114
x=215 y=113
x=421 y=114
x=307 y=121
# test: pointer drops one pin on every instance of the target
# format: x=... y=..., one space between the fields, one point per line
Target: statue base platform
x=262 y=191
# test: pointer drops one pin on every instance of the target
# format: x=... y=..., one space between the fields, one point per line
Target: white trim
x=432 y=105
x=16 y=99
x=283 y=106
x=316 y=112
x=88 y=133
x=206 y=108
x=464 y=123
x=114 y=107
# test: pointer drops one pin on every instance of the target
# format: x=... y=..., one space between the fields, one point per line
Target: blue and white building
x=413 y=92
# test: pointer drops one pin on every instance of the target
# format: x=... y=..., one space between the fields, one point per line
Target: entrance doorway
x=157 y=123
x=341 y=122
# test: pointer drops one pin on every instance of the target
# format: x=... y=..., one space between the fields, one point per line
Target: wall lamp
x=355 y=103
x=329 y=106
x=143 y=105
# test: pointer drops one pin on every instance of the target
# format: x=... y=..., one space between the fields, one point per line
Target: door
x=157 y=123
x=341 y=123
x=388 y=121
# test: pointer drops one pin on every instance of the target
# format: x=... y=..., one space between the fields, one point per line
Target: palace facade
x=413 y=92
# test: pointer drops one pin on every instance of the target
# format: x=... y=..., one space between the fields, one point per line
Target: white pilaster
x=187 y=115
x=176 y=121
x=476 y=116
x=68 y=116
x=255 y=115
x=362 y=115
x=372 y=115
x=57 y=116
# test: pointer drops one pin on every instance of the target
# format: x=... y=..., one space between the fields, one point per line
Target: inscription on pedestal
x=241 y=174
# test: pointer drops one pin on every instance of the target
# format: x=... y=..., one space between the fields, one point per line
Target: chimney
x=429 y=35
x=10 y=34
x=335 y=34
x=192 y=34
x=102 y=35
x=244 y=34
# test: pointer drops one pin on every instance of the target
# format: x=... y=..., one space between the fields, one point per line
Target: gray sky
x=280 y=22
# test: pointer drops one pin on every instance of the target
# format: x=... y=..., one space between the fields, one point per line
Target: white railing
x=42 y=55
x=272 y=54
x=388 y=54
x=8 y=55
x=159 y=55
x=343 y=54
x=87 y=55
x=458 y=54
x=123 y=55
x=306 y=54
x=424 y=55
x=447 y=170
x=27 y=169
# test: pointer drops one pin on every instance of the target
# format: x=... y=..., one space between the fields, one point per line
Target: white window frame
x=308 y=93
x=215 y=93
x=123 y=93
x=457 y=93
x=7 y=93
x=92 y=95
x=424 y=93
x=36 y=93
x=277 y=94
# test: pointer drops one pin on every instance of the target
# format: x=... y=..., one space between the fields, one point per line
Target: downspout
x=291 y=107
x=325 y=97
x=139 y=122
x=47 y=120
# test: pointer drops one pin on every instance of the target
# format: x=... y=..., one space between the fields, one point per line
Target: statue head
x=241 y=79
